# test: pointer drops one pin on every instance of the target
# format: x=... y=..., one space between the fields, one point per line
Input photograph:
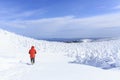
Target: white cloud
x=108 y=20
x=116 y=7
x=7 y=14
x=69 y=24
x=28 y=14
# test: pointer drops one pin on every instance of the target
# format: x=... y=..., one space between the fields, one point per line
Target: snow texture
x=57 y=60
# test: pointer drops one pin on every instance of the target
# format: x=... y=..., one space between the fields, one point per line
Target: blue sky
x=61 y=18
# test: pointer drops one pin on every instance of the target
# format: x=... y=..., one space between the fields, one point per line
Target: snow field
x=58 y=61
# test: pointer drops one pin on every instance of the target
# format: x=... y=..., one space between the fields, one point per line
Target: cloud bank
x=67 y=26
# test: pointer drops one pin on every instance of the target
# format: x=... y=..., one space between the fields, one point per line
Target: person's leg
x=32 y=61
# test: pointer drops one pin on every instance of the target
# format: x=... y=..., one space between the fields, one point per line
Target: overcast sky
x=61 y=18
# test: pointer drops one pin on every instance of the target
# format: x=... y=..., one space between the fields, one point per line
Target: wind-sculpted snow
x=104 y=54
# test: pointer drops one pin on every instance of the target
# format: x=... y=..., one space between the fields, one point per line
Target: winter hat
x=32 y=46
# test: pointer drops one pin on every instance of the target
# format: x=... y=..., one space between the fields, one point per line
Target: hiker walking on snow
x=32 y=53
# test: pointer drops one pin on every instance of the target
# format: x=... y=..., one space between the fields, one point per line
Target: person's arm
x=29 y=51
x=35 y=52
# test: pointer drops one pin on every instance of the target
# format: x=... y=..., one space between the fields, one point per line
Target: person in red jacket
x=32 y=53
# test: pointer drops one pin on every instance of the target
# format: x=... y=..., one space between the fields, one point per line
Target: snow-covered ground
x=57 y=60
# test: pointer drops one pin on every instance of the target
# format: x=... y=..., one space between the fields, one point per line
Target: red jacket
x=32 y=52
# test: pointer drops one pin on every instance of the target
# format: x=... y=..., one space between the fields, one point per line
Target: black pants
x=32 y=60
